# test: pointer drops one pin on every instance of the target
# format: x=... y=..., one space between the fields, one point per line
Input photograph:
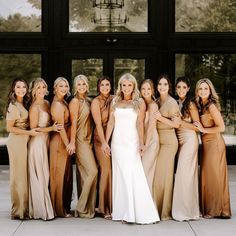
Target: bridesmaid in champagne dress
x=61 y=177
x=81 y=143
x=151 y=138
x=185 y=197
x=164 y=173
x=17 y=125
x=215 y=198
x=131 y=198
x=100 y=108
x=40 y=205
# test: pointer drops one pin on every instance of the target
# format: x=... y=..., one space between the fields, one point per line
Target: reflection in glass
x=221 y=70
x=26 y=66
x=20 y=15
x=92 y=68
x=134 y=66
x=205 y=16
x=108 y=16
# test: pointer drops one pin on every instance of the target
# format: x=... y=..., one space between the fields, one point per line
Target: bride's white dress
x=131 y=197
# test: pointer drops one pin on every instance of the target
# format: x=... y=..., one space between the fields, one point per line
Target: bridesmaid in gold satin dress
x=215 y=199
x=185 y=197
x=61 y=177
x=100 y=108
x=164 y=173
x=151 y=138
x=40 y=206
x=17 y=126
x=81 y=143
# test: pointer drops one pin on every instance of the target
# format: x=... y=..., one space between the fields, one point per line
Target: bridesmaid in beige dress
x=40 y=205
x=81 y=137
x=215 y=199
x=61 y=177
x=100 y=108
x=151 y=138
x=164 y=173
x=17 y=126
x=185 y=197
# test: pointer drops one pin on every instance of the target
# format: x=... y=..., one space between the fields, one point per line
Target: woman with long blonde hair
x=214 y=184
x=81 y=144
x=60 y=159
x=131 y=198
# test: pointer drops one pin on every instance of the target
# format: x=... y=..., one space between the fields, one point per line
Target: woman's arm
x=151 y=123
x=97 y=117
x=74 y=107
x=58 y=114
x=140 y=122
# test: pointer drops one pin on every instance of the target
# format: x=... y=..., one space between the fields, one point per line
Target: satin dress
x=131 y=198
x=40 y=206
x=186 y=196
x=61 y=173
x=104 y=163
x=17 y=151
x=164 y=172
x=85 y=162
x=214 y=186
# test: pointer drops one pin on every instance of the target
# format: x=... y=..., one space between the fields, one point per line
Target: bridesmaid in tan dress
x=185 y=197
x=40 y=205
x=164 y=173
x=100 y=108
x=215 y=199
x=151 y=138
x=81 y=137
x=60 y=160
x=17 y=126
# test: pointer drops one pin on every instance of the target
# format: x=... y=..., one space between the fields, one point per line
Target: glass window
x=221 y=70
x=20 y=15
x=205 y=16
x=26 y=66
x=92 y=68
x=134 y=66
x=108 y=16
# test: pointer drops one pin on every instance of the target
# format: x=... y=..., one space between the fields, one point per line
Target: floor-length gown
x=17 y=151
x=131 y=197
x=104 y=187
x=215 y=199
x=40 y=205
x=186 y=197
x=164 y=172
x=150 y=155
x=61 y=175
x=86 y=165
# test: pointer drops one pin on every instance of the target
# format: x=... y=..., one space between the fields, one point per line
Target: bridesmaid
x=215 y=199
x=100 y=111
x=40 y=205
x=185 y=197
x=164 y=173
x=81 y=137
x=60 y=160
x=151 y=138
x=17 y=126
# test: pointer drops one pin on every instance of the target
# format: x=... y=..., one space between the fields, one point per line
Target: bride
x=131 y=198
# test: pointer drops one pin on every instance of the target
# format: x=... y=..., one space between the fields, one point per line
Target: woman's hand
x=34 y=132
x=177 y=120
x=199 y=126
x=70 y=148
x=106 y=149
x=57 y=127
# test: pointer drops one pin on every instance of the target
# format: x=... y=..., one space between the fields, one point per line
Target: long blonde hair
x=213 y=97
x=76 y=79
x=57 y=81
x=135 y=94
x=34 y=86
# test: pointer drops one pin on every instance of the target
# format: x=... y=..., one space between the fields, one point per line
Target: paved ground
x=101 y=227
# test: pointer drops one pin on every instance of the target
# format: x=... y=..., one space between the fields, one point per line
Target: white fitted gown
x=131 y=197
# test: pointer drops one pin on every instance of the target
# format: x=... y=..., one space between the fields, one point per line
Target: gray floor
x=99 y=226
